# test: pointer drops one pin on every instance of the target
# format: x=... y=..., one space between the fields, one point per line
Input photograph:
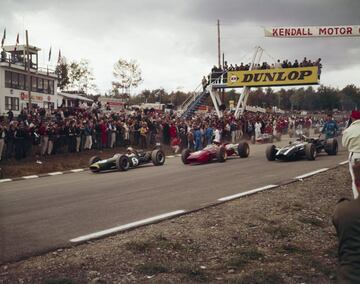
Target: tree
x=81 y=77
x=62 y=71
x=127 y=75
x=329 y=98
x=350 y=97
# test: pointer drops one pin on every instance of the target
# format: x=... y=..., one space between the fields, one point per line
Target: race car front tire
x=221 y=154
x=184 y=155
x=310 y=151
x=243 y=149
x=331 y=146
x=94 y=159
x=270 y=152
x=122 y=163
x=158 y=157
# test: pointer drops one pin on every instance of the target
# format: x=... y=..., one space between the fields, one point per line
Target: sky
x=175 y=42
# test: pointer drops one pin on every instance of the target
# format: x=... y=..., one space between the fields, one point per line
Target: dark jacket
x=346 y=220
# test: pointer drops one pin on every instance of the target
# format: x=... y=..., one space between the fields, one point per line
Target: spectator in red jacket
x=173 y=131
x=103 y=133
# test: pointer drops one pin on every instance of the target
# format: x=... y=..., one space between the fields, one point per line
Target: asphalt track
x=42 y=214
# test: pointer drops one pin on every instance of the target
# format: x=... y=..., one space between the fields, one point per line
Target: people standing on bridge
x=351 y=141
x=330 y=127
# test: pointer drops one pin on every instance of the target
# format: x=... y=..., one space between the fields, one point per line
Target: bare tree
x=81 y=77
x=127 y=75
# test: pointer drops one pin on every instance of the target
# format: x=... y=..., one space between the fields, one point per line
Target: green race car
x=123 y=162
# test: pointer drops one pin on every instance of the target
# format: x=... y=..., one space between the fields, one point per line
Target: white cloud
x=175 y=41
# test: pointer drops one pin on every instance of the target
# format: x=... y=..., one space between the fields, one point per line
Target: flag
x=17 y=42
x=3 y=38
x=49 y=54
x=59 y=57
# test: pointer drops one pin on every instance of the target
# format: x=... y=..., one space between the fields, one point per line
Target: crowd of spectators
x=46 y=132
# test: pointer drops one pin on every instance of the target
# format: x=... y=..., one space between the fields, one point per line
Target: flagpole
x=28 y=70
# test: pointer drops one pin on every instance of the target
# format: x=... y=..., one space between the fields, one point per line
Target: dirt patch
x=283 y=235
x=60 y=162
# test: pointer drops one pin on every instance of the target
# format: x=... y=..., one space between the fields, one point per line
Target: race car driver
x=131 y=152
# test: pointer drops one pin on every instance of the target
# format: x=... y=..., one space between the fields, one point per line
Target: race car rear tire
x=122 y=163
x=184 y=155
x=243 y=149
x=271 y=152
x=93 y=160
x=221 y=154
x=331 y=146
x=158 y=157
x=310 y=151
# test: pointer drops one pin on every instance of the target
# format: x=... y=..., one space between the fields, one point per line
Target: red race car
x=215 y=152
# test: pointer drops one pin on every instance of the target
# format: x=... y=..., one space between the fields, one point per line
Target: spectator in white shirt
x=351 y=140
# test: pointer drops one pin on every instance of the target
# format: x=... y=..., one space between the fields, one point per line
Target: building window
x=22 y=81
x=46 y=86
x=33 y=84
x=8 y=79
x=11 y=103
x=40 y=88
x=15 y=80
x=51 y=87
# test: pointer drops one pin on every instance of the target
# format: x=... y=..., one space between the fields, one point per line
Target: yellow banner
x=273 y=77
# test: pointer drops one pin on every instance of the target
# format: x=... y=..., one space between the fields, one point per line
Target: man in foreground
x=346 y=217
x=351 y=141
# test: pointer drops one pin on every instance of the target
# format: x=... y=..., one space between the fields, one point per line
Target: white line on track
x=312 y=173
x=30 y=177
x=77 y=170
x=5 y=180
x=55 y=173
x=125 y=227
x=247 y=192
x=344 y=163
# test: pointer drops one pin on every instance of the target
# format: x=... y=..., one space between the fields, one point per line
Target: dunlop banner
x=273 y=77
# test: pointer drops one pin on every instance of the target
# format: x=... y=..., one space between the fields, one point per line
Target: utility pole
x=28 y=81
x=223 y=90
x=218 y=32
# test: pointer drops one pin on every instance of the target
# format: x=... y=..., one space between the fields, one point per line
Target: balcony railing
x=11 y=62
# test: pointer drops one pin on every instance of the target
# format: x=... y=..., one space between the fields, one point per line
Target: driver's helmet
x=216 y=142
x=130 y=150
